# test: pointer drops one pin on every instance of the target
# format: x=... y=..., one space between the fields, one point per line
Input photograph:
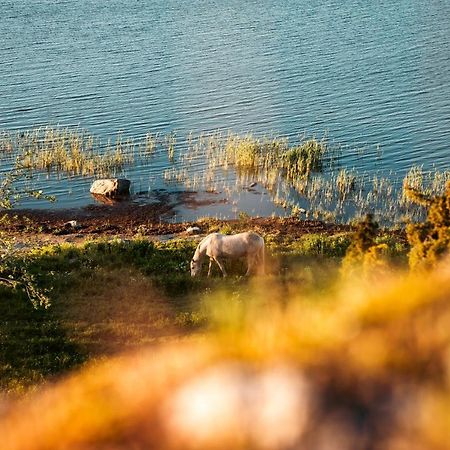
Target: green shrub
x=430 y=240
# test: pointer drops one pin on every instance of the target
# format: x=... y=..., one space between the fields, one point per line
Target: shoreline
x=125 y=220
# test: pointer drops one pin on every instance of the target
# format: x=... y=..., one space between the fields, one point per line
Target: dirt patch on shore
x=148 y=220
x=93 y=219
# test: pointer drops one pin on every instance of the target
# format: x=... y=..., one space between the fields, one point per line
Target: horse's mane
x=204 y=240
x=197 y=250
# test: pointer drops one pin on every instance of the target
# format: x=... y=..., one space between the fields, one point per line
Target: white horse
x=218 y=246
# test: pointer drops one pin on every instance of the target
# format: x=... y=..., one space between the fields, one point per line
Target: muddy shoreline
x=147 y=220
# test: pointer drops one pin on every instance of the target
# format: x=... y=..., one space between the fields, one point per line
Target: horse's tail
x=262 y=258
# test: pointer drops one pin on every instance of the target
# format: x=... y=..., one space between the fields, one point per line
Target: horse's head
x=196 y=267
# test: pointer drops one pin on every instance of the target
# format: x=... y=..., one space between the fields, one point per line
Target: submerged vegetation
x=308 y=175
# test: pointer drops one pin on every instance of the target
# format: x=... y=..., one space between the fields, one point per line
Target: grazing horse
x=218 y=246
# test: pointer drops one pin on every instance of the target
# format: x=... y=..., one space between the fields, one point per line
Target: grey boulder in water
x=111 y=187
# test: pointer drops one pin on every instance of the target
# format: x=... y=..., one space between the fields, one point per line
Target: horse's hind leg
x=250 y=263
x=262 y=261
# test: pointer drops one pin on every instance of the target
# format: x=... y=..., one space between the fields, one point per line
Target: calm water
x=367 y=74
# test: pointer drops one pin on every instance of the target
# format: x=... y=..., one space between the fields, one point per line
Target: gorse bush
x=364 y=236
x=430 y=240
x=364 y=253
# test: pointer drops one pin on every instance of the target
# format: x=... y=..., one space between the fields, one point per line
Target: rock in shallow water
x=193 y=230
x=111 y=187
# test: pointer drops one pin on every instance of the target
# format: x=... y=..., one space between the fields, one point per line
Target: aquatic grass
x=304 y=159
x=72 y=151
x=243 y=152
x=171 y=141
x=274 y=154
x=307 y=169
x=345 y=183
x=413 y=179
x=147 y=148
x=382 y=187
x=307 y=173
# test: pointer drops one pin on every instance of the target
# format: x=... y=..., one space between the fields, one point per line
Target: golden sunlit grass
x=362 y=364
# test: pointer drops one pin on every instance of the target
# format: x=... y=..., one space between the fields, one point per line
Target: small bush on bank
x=364 y=253
x=430 y=240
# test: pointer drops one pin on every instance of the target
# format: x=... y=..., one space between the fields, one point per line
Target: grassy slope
x=113 y=296
x=363 y=364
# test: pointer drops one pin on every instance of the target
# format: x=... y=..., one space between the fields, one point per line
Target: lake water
x=372 y=76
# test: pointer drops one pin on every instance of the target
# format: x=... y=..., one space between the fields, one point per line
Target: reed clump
x=268 y=154
x=72 y=151
x=250 y=153
x=345 y=183
x=302 y=160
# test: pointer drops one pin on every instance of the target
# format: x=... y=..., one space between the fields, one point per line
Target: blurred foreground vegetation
x=344 y=344
x=308 y=357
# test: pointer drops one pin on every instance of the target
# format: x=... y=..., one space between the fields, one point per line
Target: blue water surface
x=373 y=77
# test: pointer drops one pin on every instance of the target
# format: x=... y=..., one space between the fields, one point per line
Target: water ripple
x=366 y=73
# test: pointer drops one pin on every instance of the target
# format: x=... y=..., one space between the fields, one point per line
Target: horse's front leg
x=221 y=267
x=210 y=266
